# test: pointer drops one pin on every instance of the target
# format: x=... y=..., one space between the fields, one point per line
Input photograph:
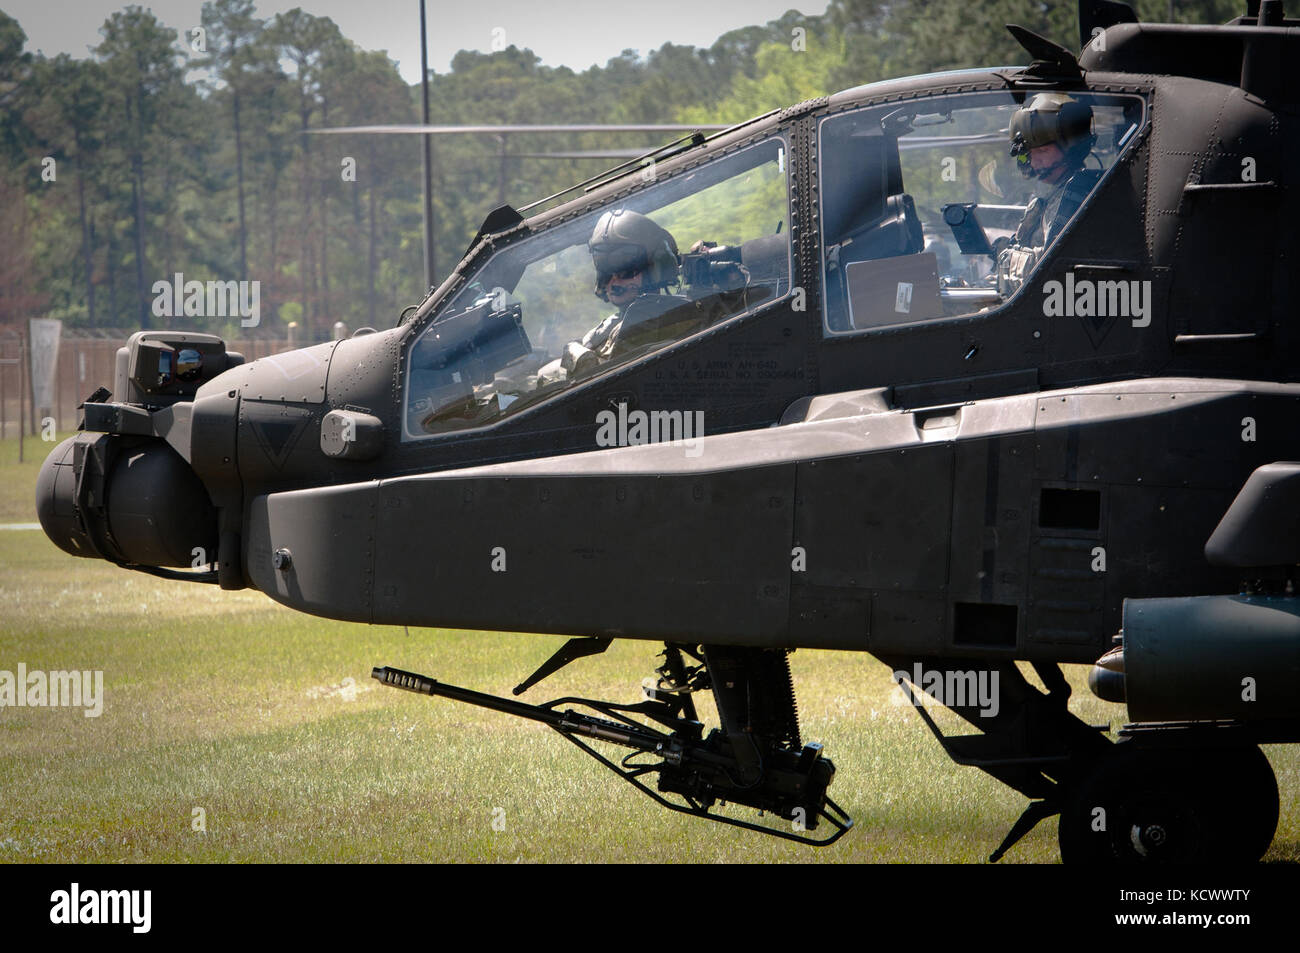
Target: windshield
x=626 y=280
x=944 y=207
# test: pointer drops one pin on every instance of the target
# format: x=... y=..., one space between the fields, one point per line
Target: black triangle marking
x=278 y=437
x=1097 y=328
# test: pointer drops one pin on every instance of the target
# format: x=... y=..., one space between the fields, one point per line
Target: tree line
x=184 y=151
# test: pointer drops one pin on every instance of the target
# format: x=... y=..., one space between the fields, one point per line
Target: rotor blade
x=957 y=142
x=589 y=154
x=458 y=130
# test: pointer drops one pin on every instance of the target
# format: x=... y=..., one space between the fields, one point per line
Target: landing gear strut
x=1173 y=792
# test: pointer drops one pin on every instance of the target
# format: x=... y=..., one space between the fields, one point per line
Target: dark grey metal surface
x=907 y=520
x=1262 y=526
x=1212 y=657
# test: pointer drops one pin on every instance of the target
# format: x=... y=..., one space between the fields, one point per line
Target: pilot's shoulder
x=601 y=332
x=1084 y=180
x=648 y=306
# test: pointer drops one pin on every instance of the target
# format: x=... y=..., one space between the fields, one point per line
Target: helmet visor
x=621 y=261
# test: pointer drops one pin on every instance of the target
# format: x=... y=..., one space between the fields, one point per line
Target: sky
x=573 y=33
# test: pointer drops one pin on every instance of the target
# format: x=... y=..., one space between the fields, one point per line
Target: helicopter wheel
x=1172 y=805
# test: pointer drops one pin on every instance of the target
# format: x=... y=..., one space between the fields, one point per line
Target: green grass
x=18 y=480
x=230 y=703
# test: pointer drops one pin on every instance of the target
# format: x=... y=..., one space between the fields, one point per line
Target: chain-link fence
x=84 y=364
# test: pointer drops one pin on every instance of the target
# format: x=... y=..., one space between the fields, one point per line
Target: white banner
x=44 y=359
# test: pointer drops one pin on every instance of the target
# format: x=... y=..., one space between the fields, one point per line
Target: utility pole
x=501 y=170
x=22 y=393
x=430 y=265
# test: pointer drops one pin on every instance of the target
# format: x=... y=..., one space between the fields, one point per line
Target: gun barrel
x=421 y=685
x=568 y=721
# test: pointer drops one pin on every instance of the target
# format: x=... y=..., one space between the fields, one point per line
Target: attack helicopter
x=960 y=370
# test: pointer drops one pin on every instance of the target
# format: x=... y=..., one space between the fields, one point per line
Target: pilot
x=1051 y=138
x=636 y=263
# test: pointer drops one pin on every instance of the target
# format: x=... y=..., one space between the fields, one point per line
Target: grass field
x=229 y=703
x=18 y=480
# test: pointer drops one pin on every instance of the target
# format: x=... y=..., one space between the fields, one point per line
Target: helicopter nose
x=133 y=503
x=55 y=500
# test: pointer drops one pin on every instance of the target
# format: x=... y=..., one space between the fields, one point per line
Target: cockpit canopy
x=926 y=210
x=528 y=325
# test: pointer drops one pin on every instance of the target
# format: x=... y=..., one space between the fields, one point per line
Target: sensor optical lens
x=189 y=364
